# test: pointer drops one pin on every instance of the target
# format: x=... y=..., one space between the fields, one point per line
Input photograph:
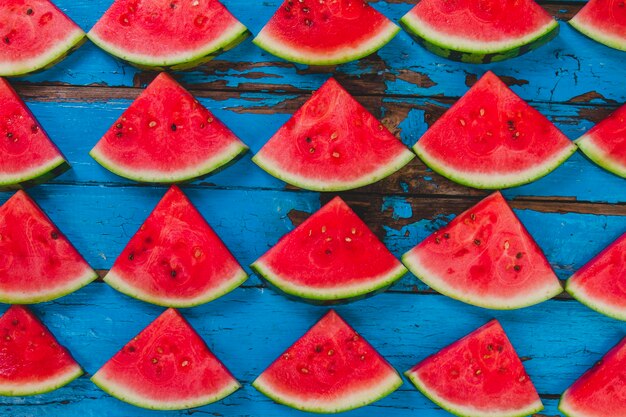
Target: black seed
x=9 y=135
x=328 y=252
x=437 y=241
x=510 y=124
x=308 y=140
x=34 y=128
x=172 y=5
x=517 y=267
x=490 y=347
x=477 y=242
x=318 y=348
x=173 y=273
x=131 y=256
x=500 y=348
x=446 y=236
x=119 y=125
x=519 y=255
x=118 y=134
x=173 y=127
x=29 y=12
x=7 y=40
x=131 y=348
x=54 y=235
x=473 y=216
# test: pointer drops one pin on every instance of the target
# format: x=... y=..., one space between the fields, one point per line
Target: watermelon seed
x=490 y=347
x=328 y=239
x=500 y=348
x=119 y=125
x=159 y=349
x=308 y=140
x=331 y=352
x=131 y=256
x=210 y=120
x=335 y=154
x=486 y=356
x=473 y=216
x=510 y=124
x=517 y=268
x=462 y=122
x=197 y=253
x=152 y=124
x=334 y=135
x=311 y=150
x=348 y=239
x=477 y=242
x=522 y=378
x=353 y=231
x=119 y=134
x=7 y=40
x=173 y=273
x=308 y=22
x=318 y=348
x=8 y=338
x=437 y=241
x=15 y=322
x=131 y=349
x=173 y=127
x=34 y=128
x=305 y=9
x=482 y=112
x=478 y=372
x=155 y=360
x=323 y=229
x=506 y=244
x=172 y=5
x=355 y=337
x=380 y=127
x=29 y=12
x=304 y=370
x=519 y=255
x=184 y=363
x=9 y=135
x=328 y=251
x=446 y=236
x=286 y=356
x=362 y=357
x=310 y=232
x=54 y=235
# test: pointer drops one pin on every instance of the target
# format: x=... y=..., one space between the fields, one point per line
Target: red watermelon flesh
x=166 y=136
x=28 y=155
x=175 y=259
x=605 y=143
x=332 y=143
x=167 y=366
x=485 y=257
x=601 y=283
x=603 y=21
x=31 y=359
x=167 y=33
x=479 y=375
x=34 y=34
x=491 y=138
x=332 y=255
x=37 y=263
x=328 y=370
x=601 y=391
x=325 y=32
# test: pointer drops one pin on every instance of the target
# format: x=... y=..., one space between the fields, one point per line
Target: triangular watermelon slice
x=332 y=256
x=485 y=257
x=167 y=366
x=480 y=31
x=34 y=35
x=605 y=143
x=603 y=21
x=37 y=263
x=328 y=370
x=601 y=283
x=479 y=375
x=315 y=32
x=166 y=136
x=491 y=138
x=28 y=156
x=175 y=259
x=598 y=393
x=332 y=143
x=31 y=359
x=161 y=34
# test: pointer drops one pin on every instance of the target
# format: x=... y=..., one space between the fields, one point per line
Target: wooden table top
x=572 y=213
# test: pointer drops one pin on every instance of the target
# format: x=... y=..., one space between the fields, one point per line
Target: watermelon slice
x=603 y=21
x=332 y=256
x=175 y=259
x=31 y=359
x=485 y=257
x=34 y=36
x=491 y=138
x=599 y=392
x=37 y=263
x=601 y=283
x=333 y=32
x=162 y=34
x=332 y=143
x=480 y=31
x=479 y=375
x=605 y=143
x=328 y=370
x=166 y=136
x=28 y=155
x=166 y=367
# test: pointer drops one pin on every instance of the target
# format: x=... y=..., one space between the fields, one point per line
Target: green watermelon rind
x=433 y=281
x=42 y=387
x=461 y=411
x=236 y=34
x=124 y=393
x=586 y=145
x=603 y=308
x=217 y=162
x=53 y=56
x=476 y=52
x=384 y=171
x=117 y=282
x=598 y=35
x=385 y=387
x=354 y=292
x=495 y=180
x=38 y=175
x=75 y=284
x=281 y=50
x=567 y=409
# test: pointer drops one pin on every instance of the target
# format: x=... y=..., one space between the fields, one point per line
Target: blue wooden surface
x=572 y=213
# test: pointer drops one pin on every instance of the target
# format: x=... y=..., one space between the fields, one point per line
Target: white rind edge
x=43 y=169
x=41 y=387
x=598 y=35
x=596 y=154
x=598 y=305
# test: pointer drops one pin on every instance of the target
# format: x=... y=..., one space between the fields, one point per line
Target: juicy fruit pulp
x=480 y=31
x=31 y=359
x=491 y=138
x=175 y=259
x=332 y=143
x=167 y=366
x=327 y=32
x=605 y=143
x=485 y=257
x=479 y=375
x=328 y=370
x=333 y=255
x=166 y=136
x=28 y=155
x=601 y=283
x=34 y=35
x=603 y=21
x=167 y=33
x=37 y=263
x=600 y=391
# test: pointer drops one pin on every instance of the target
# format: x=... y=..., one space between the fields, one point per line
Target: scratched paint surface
x=572 y=213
